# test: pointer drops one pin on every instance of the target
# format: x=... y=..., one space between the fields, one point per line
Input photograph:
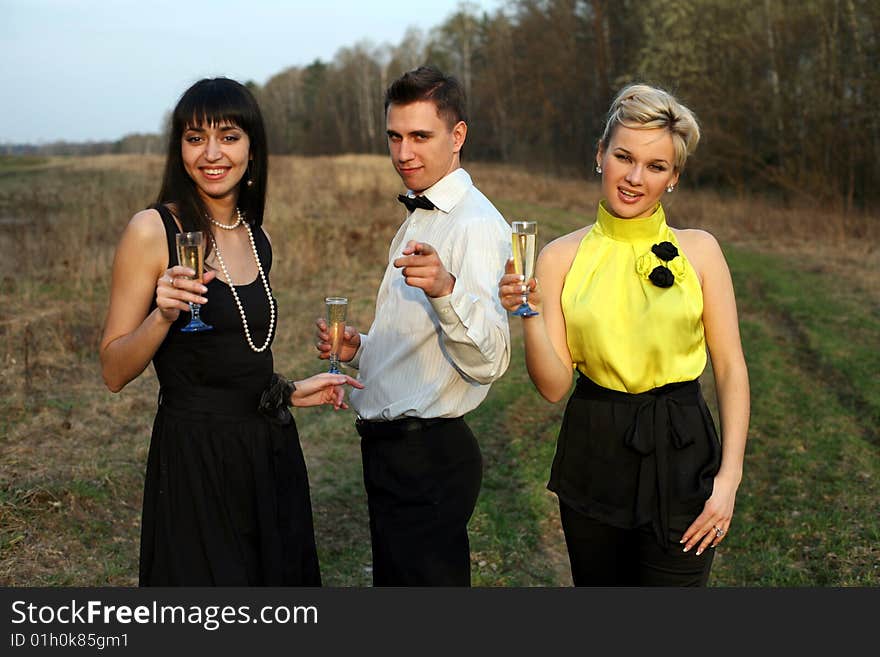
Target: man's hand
x=422 y=268
x=351 y=340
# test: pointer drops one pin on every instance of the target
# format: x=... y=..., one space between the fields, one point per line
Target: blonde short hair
x=642 y=106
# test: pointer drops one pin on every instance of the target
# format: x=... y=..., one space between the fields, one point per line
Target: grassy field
x=72 y=454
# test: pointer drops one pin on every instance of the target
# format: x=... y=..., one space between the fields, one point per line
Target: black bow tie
x=413 y=202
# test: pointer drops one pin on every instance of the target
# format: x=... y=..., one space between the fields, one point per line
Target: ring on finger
x=718 y=532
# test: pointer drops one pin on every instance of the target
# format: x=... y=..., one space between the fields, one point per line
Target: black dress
x=226 y=496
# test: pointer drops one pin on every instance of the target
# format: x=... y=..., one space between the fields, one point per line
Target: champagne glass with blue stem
x=525 y=236
x=191 y=253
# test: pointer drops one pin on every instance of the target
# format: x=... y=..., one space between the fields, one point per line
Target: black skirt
x=226 y=497
x=631 y=460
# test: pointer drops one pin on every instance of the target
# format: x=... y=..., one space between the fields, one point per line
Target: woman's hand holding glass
x=324 y=388
x=513 y=288
x=177 y=288
x=524 y=235
x=191 y=254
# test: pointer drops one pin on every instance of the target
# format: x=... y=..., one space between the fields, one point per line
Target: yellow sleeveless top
x=625 y=331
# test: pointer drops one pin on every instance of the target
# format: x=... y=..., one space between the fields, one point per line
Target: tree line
x=134 y=143
x=786 y=91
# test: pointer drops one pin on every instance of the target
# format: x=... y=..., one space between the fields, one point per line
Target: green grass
x=807 y=512
x=513 y=537
x=339 y=504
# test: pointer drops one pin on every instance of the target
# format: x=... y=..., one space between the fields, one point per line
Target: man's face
x=423 y=148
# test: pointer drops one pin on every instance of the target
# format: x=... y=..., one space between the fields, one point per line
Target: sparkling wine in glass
x=191 y=253
x=525 y=236
x=336 y=312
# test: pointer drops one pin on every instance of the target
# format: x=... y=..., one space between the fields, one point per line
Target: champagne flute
x=525 y=236
x=336 y=312
x=191 y=253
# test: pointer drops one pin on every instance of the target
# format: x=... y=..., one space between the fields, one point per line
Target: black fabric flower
x=661 y=276
x=666 y=251
x=275 y=400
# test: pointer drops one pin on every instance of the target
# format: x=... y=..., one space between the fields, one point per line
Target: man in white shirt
x=439 y=339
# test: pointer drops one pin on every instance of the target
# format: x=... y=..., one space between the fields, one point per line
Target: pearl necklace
x=247 y=333
x=232 y=226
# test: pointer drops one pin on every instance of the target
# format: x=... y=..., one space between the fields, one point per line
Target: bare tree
x=786 y=90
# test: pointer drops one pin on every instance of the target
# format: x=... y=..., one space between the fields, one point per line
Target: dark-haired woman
x=645 y=487
x=226 y=497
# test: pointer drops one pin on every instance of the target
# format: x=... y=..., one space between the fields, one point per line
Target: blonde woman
x=645 y=486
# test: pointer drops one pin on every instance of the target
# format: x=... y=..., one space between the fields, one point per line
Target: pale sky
x=82 y=70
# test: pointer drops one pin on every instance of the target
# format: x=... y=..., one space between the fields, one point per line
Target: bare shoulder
x=697 y=243
x=146 y=224
x=567 y=245
x=696 y=237
x=556 y=257
x=144 y=237
x=700 y=248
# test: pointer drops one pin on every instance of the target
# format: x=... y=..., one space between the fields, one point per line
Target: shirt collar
x=629 y=230
x=449 y=190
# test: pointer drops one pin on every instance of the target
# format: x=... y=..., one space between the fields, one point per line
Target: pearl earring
x=598 y=169
x=669 y=188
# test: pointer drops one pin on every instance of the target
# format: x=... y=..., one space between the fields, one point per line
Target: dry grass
x=72 y=454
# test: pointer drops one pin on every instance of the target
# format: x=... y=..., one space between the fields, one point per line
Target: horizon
x=84 y=66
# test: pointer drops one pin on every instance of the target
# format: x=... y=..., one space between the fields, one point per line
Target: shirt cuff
x=446 y=310
x=355 y=361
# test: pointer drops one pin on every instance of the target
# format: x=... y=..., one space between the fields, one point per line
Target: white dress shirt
x=428 y=357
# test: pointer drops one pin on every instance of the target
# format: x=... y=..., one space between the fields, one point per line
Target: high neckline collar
x=628 y=230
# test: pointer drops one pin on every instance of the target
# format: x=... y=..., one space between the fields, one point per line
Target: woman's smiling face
x=216 y=157
x=637 y=167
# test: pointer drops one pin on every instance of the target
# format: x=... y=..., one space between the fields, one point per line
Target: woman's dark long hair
x=209 y=102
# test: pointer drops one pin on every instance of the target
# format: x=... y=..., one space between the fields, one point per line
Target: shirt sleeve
x=474 y=325
x=355 y=362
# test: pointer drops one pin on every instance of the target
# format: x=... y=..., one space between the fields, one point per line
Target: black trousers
x=422 y=479
x=602 y=555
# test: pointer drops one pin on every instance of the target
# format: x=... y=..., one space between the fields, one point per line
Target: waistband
x=205 y=399
x=399 y=427
x=681 y=392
